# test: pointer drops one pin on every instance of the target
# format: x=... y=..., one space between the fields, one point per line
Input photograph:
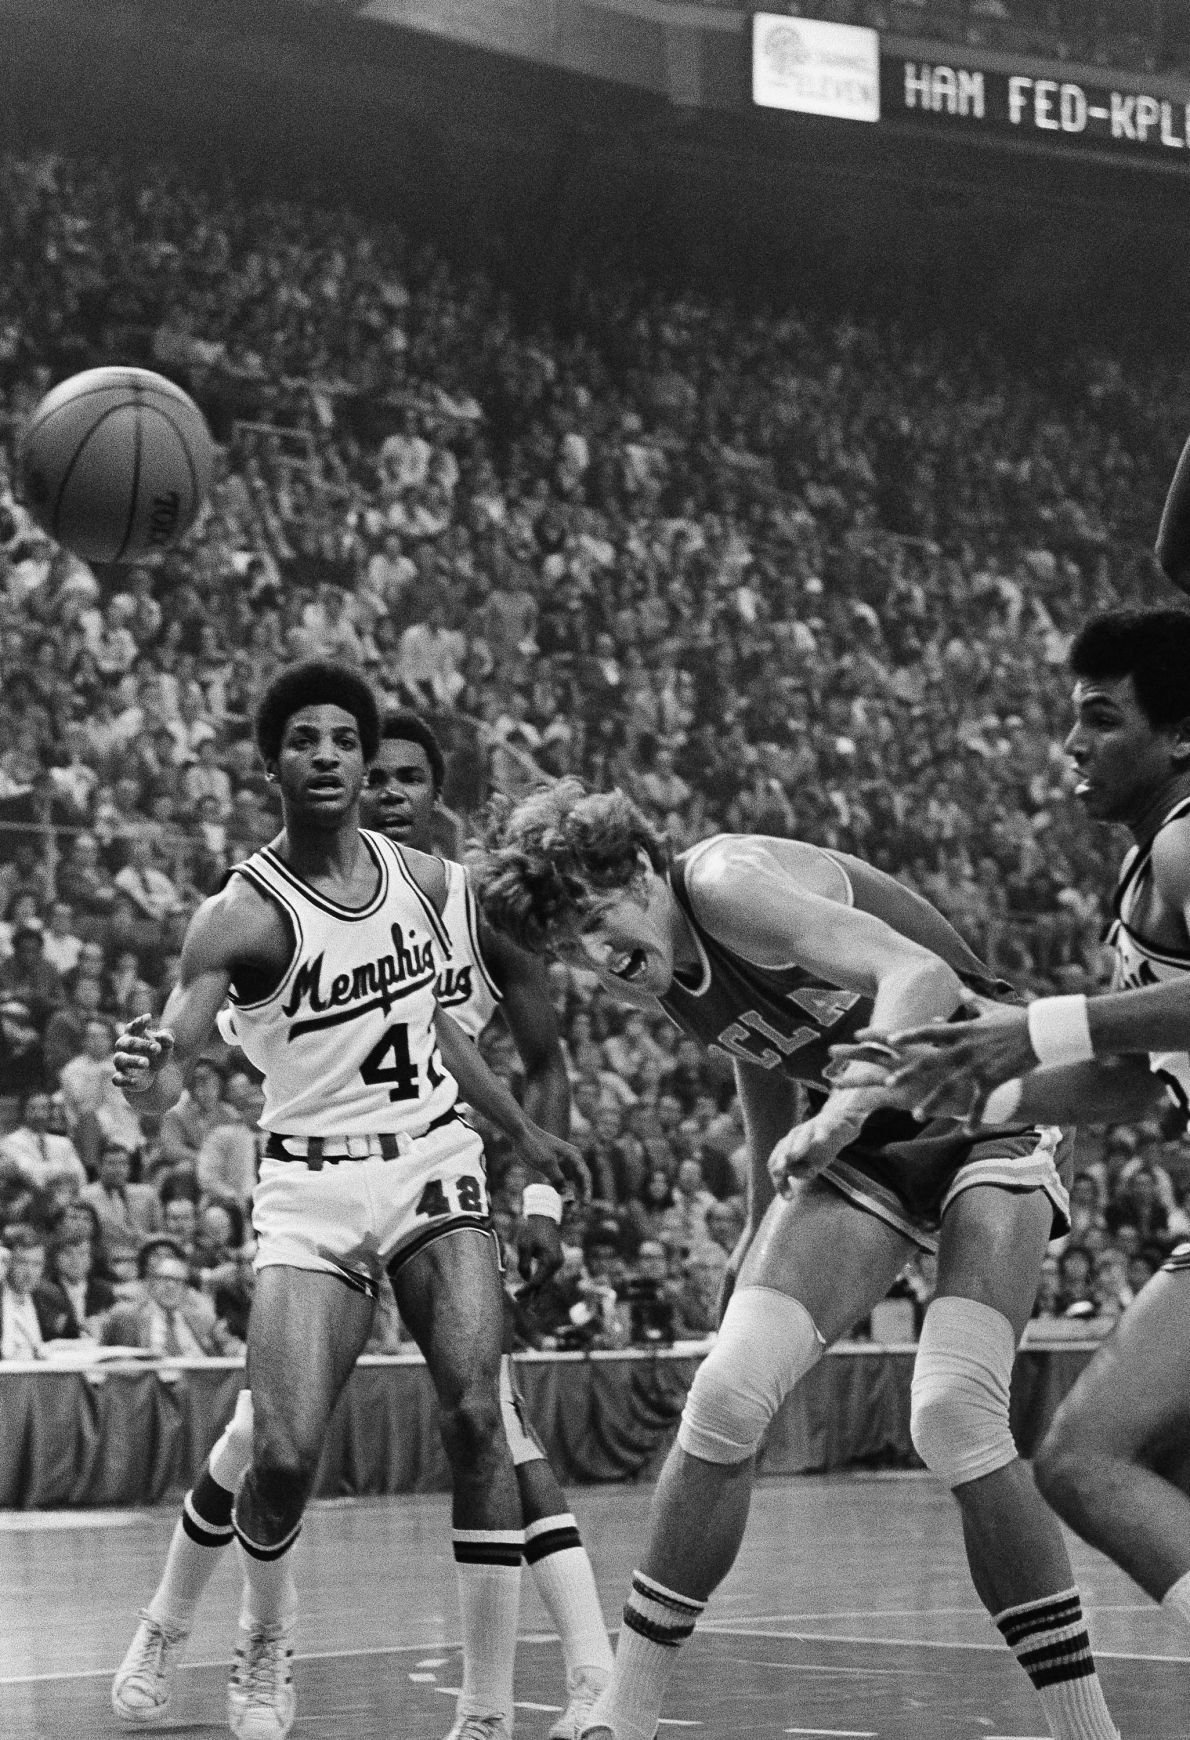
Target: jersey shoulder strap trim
x=437 y=928
x=333 y=909
x=251 y=872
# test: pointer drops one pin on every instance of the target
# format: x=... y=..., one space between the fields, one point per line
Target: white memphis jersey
x=466 y=989
x=1140 y=962
x=346 y=1043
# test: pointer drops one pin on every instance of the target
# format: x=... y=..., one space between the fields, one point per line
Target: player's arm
x=1046 y=1063
x=153 y=1062
x=769 y=1101
x=1173 y=534
x=751 y=902
x=540 y=1252
x=529 y=1011
x=538 y=1148
x=952 y=1067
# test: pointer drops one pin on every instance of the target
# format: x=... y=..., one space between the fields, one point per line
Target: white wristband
x=542 y=1199
x=1002 y=1102
x=1060 y=1030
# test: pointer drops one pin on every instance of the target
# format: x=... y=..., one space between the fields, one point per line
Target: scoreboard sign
x=1034 y=105
x=815 y=68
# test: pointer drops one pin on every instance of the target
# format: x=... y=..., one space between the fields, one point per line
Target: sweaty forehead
x=325 y=716
x=398 y=755
x=1116 y=692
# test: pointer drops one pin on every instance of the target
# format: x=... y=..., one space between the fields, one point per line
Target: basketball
x=116 y=463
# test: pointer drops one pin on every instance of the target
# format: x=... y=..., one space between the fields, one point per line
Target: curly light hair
x=544 y=861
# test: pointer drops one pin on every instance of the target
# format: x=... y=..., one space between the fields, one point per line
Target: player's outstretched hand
x=141 y=1052
x=560 y=1163
x=539 y=1249
x=949 y=1068
x=807 y=1149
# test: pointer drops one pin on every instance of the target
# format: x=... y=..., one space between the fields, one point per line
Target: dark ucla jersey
x=904 y=1171
x=783 y=1017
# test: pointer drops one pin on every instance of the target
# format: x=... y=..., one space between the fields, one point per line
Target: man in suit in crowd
x=171 y=1320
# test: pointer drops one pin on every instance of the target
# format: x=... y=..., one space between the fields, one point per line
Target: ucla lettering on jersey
x=346 y=1042
x=1141 y=962
x=466 y=989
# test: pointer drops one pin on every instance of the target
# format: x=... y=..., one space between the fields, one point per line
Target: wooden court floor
x=849 y=1616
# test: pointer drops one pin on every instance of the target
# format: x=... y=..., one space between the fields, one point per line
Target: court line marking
x=854 y=1733
x=704 y=1630
x=912 y=1613
x=911 y=1643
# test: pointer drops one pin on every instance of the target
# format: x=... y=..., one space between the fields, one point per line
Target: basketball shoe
x=261 y=1700
x=144 y=1682
x=583 y=1688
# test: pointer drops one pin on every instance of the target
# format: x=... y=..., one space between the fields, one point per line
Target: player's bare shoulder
x=239 y=930
x=726 y=874
x=1170 y=867
x=429 y=873
x=1171 y=858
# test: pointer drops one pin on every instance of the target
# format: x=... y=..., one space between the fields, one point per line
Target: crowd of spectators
x=772 y=568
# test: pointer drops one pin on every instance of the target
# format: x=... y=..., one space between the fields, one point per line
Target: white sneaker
x=481 y=1728
x=261 y=1700
x=144 y=1682
x=584 y=1687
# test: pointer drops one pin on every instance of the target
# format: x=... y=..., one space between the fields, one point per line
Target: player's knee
x=959 y=1420
x=767 y=1342
x=1056 y=1466
x=473 y=1425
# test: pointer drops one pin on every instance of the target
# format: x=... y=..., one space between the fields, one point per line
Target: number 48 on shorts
x=468 y=1196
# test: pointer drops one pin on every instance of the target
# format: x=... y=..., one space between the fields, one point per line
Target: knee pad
x=233 y=1451
x=523 y=1444
x=961 y=1378
x=767 y=1343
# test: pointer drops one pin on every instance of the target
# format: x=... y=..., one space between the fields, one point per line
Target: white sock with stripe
x=270 y=1593
x=204 y=1527
x=488 y=1564
x=1049 y=1639
x=556 y=1556
x=657 y=1621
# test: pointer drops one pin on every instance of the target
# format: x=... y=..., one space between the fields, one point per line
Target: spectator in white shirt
x=60 y=946
x=21 y=1332
x=429 y=655
x=229 y=1157
x=36 y=1152
x=205 y=778
x=148 y=888
x=96 y=1108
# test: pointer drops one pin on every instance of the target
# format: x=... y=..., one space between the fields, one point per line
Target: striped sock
x=565 y=1581
x=1049 y=1639
x=202 y=1529
x=657 y=1621
x=488 y=1564
x=270 y=1594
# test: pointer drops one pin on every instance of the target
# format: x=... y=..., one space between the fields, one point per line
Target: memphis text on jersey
x=377 y=984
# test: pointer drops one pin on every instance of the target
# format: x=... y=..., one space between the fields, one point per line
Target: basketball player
x=1102 y=1462
x=368 y=1166
x=770 y=949
x=402 y=788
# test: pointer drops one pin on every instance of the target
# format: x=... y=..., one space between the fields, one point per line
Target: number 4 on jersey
x=401 y=1072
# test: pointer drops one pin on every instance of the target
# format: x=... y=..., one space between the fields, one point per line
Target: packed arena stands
x=774 y=568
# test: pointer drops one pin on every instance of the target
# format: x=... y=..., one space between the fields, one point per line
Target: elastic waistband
x=319 y=1151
